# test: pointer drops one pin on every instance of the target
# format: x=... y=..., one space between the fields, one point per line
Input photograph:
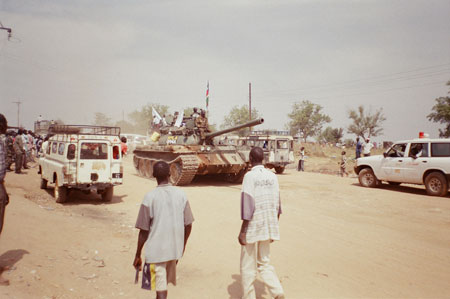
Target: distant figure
x=19 y=151
x=301 y=161
x=195 y=113
x=39 y=119
x=343 y=164
x=367 y=147
x=358 y=148
x=164 y=222
x=260 y=213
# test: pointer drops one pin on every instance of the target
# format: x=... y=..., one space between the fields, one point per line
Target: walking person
x=301 y=161
x=343 y=164
x=165 y=222
x=260 y=213
x=358 y=148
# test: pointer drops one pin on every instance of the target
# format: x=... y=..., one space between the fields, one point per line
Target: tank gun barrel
x=235 y=128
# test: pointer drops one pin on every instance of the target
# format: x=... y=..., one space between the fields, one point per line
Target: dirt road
x=338 y=240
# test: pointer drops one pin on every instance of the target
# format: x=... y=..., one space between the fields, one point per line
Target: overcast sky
x=70 y=59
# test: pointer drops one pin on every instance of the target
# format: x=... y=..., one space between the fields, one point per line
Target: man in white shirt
x=367 y=147
x=260 y=212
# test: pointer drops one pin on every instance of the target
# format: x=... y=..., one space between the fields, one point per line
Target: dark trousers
x=301 y=165
x=19 y=162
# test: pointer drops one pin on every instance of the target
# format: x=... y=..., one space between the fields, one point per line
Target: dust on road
x=338 y=240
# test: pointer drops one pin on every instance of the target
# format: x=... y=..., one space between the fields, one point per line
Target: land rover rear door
x=94 y=161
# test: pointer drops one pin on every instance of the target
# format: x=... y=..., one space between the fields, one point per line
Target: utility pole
x=250 y=100
x=18 y=112
x=250 y=103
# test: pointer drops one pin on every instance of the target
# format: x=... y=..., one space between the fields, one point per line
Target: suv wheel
x=107 y=195
x=367 y=178
x=436 y=184
x=61 y=193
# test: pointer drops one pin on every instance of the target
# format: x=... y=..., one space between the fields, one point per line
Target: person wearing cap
x=367 y=147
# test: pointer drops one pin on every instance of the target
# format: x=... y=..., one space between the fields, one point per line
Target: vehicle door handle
x=400 y=160
x=424 y=161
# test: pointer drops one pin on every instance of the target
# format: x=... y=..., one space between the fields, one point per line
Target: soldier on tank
x=202 y=124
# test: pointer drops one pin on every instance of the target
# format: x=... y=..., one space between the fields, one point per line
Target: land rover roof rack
x=84 y=129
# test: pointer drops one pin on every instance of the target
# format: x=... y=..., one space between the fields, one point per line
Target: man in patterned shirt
x=3 y=195
x=260 y=212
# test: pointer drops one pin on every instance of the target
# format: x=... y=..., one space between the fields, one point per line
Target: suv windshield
x=94 y=151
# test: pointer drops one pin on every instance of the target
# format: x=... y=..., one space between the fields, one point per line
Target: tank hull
x=186 y=162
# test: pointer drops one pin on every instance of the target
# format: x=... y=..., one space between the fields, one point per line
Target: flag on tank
x=207 y=95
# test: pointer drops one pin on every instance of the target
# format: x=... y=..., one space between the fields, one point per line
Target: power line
x=440 y=69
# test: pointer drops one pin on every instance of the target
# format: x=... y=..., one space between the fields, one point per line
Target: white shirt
x=367 y=147
x=260 y=204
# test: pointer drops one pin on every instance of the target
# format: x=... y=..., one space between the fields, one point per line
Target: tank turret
x=190 y=135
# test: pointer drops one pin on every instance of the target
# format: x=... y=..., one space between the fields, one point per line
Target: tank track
x=189 y=166
x=184 y=166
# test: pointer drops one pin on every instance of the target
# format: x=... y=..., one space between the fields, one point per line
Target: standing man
x=3 y=195
x=165 y=223
x=358 y=148
x=260 y=212
x=19 y=150
x=367 y=147
x=10 y=155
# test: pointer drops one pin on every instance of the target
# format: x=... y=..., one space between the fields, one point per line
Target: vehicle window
x=48 y=148
x=116 y=152
x=397 y=150
x=440 y=149
x=61 y=149
x=418 y=150
x=292 y=144
x=282 y=144
x=94 y=151
x=71 y=151
x=54 y=147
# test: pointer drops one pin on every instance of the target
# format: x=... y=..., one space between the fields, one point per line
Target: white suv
x=418 y=161
x=86 y=158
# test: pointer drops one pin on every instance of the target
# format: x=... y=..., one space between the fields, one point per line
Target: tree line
x=306 y=119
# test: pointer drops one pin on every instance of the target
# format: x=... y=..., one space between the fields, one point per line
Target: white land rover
x=86 y=158
x=418 y=161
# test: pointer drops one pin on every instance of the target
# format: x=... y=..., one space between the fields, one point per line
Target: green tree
x=101 y=119
x=306 y=119
x=365 y=124
x=441 y=114
x=331 y=135
x=238 y=116
x=141 y=118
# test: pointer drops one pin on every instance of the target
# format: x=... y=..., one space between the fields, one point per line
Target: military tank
x=189 y=155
